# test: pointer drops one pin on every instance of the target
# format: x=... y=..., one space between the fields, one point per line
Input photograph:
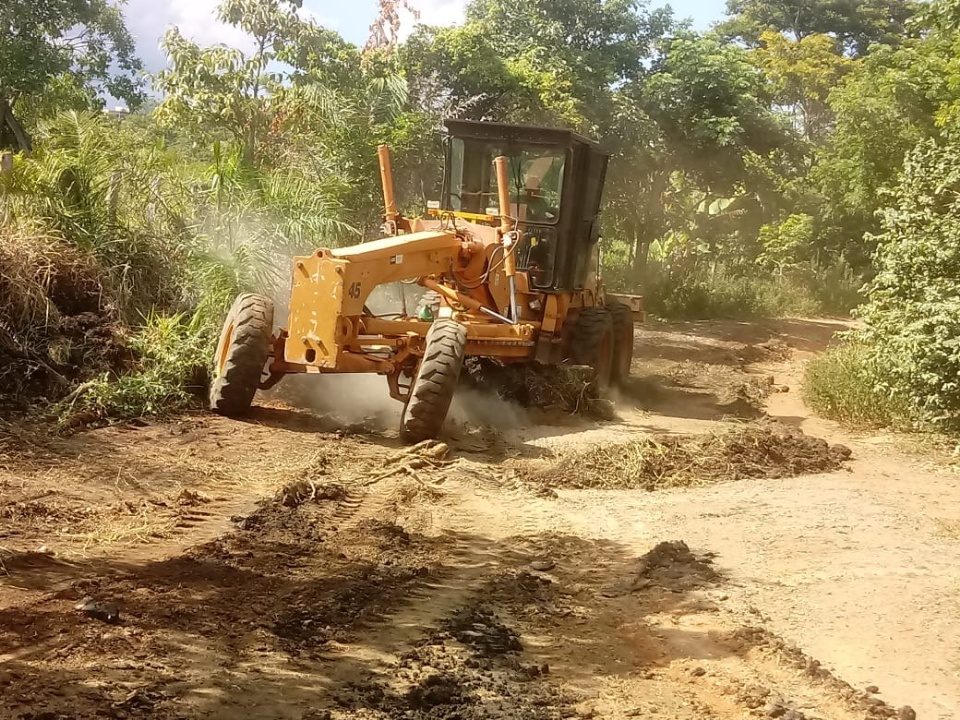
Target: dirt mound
x=673 y=566
x=756 y=451
x=743 y=399
x=482 y=631
x=448 y=675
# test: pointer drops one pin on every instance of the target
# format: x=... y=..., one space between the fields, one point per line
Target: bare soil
x=712 y=552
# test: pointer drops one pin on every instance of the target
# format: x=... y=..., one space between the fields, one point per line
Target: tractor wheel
x=622 y=317
x=592 y=343
x=433 y=388
x=241 y=355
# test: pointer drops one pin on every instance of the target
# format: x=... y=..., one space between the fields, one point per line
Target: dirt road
x=695 y=558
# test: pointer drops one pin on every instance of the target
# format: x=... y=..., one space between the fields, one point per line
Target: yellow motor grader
x=509 y=258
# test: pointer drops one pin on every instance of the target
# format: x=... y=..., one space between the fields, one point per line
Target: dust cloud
x=348 y=400
x=477 y=407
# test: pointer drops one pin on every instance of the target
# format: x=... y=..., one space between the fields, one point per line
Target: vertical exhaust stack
x=389 y=199
x=509 y=237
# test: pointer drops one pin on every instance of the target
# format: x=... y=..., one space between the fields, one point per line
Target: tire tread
x=436 y=381
x=232 y=393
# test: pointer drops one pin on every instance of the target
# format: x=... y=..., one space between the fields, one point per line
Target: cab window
x=535 y=176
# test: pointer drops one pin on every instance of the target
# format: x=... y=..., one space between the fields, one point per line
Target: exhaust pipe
x=509 y=237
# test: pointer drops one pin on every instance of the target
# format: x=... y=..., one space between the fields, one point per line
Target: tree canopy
x=84 y=41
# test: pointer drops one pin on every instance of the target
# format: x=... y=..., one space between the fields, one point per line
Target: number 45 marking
x=354 y=290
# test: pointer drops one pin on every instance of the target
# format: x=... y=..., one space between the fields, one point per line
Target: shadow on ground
x=303 y=612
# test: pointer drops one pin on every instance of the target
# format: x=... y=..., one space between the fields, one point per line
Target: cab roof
x=517 y=133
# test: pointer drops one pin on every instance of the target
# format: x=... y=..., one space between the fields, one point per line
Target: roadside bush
x=912 y=319
x=100 y=230
x=745 y=293
x=844 y=384
x=837 y=287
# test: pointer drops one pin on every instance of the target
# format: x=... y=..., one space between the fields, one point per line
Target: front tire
x=592 y=344
x=436 y=382
x=241 y=355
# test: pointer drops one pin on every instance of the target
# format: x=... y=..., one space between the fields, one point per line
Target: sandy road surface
x=283 y=568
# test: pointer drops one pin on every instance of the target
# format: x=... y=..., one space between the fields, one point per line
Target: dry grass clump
x=54 y=331
x=42 y=277
x=766 y=451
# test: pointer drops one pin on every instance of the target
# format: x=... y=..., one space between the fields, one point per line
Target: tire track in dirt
x=373 y=585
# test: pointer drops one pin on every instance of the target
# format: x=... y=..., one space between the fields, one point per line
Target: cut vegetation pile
x=54 y=331
x=757 y=451
x=542 y=387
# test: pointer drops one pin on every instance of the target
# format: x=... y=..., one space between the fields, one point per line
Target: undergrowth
x=746 y=293
x=172 y=354
x=844 y=384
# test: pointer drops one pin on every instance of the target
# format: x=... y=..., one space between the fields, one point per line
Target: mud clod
x=436 y=690
x=543 y=565
x=101 y=610
x=482 y=632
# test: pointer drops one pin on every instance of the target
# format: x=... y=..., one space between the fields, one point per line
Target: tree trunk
x=12 y=134
x=641 y=259
x=250 y=148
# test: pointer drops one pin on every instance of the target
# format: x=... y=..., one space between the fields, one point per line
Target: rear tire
x=241 y=355
x=436 y=382
x=623 y=328
x=592 y=344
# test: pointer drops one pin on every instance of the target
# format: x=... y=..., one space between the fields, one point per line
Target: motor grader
x=509 y=261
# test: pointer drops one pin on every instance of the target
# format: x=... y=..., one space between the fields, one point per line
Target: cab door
x=587 y=234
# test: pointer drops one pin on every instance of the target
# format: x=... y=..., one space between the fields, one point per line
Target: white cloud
x=326 y=21
x=149 y=20
x=433 y=12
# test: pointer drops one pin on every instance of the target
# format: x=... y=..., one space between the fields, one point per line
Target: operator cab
x=556 y=185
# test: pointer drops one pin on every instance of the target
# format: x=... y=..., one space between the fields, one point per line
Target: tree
x=86 y=40
x=882 y=111
x=713 y=108
x=209 y=91
x=458 y=71
x=803 y=73
x=386 y=28
x=856 y=24
x=697 y=130
x=586 y=47
x=335 y=133
x=913 y=315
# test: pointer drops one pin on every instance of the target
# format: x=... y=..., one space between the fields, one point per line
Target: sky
x=149 y=19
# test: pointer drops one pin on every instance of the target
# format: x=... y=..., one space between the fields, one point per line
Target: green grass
x=842 y=385
x=173 y=352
